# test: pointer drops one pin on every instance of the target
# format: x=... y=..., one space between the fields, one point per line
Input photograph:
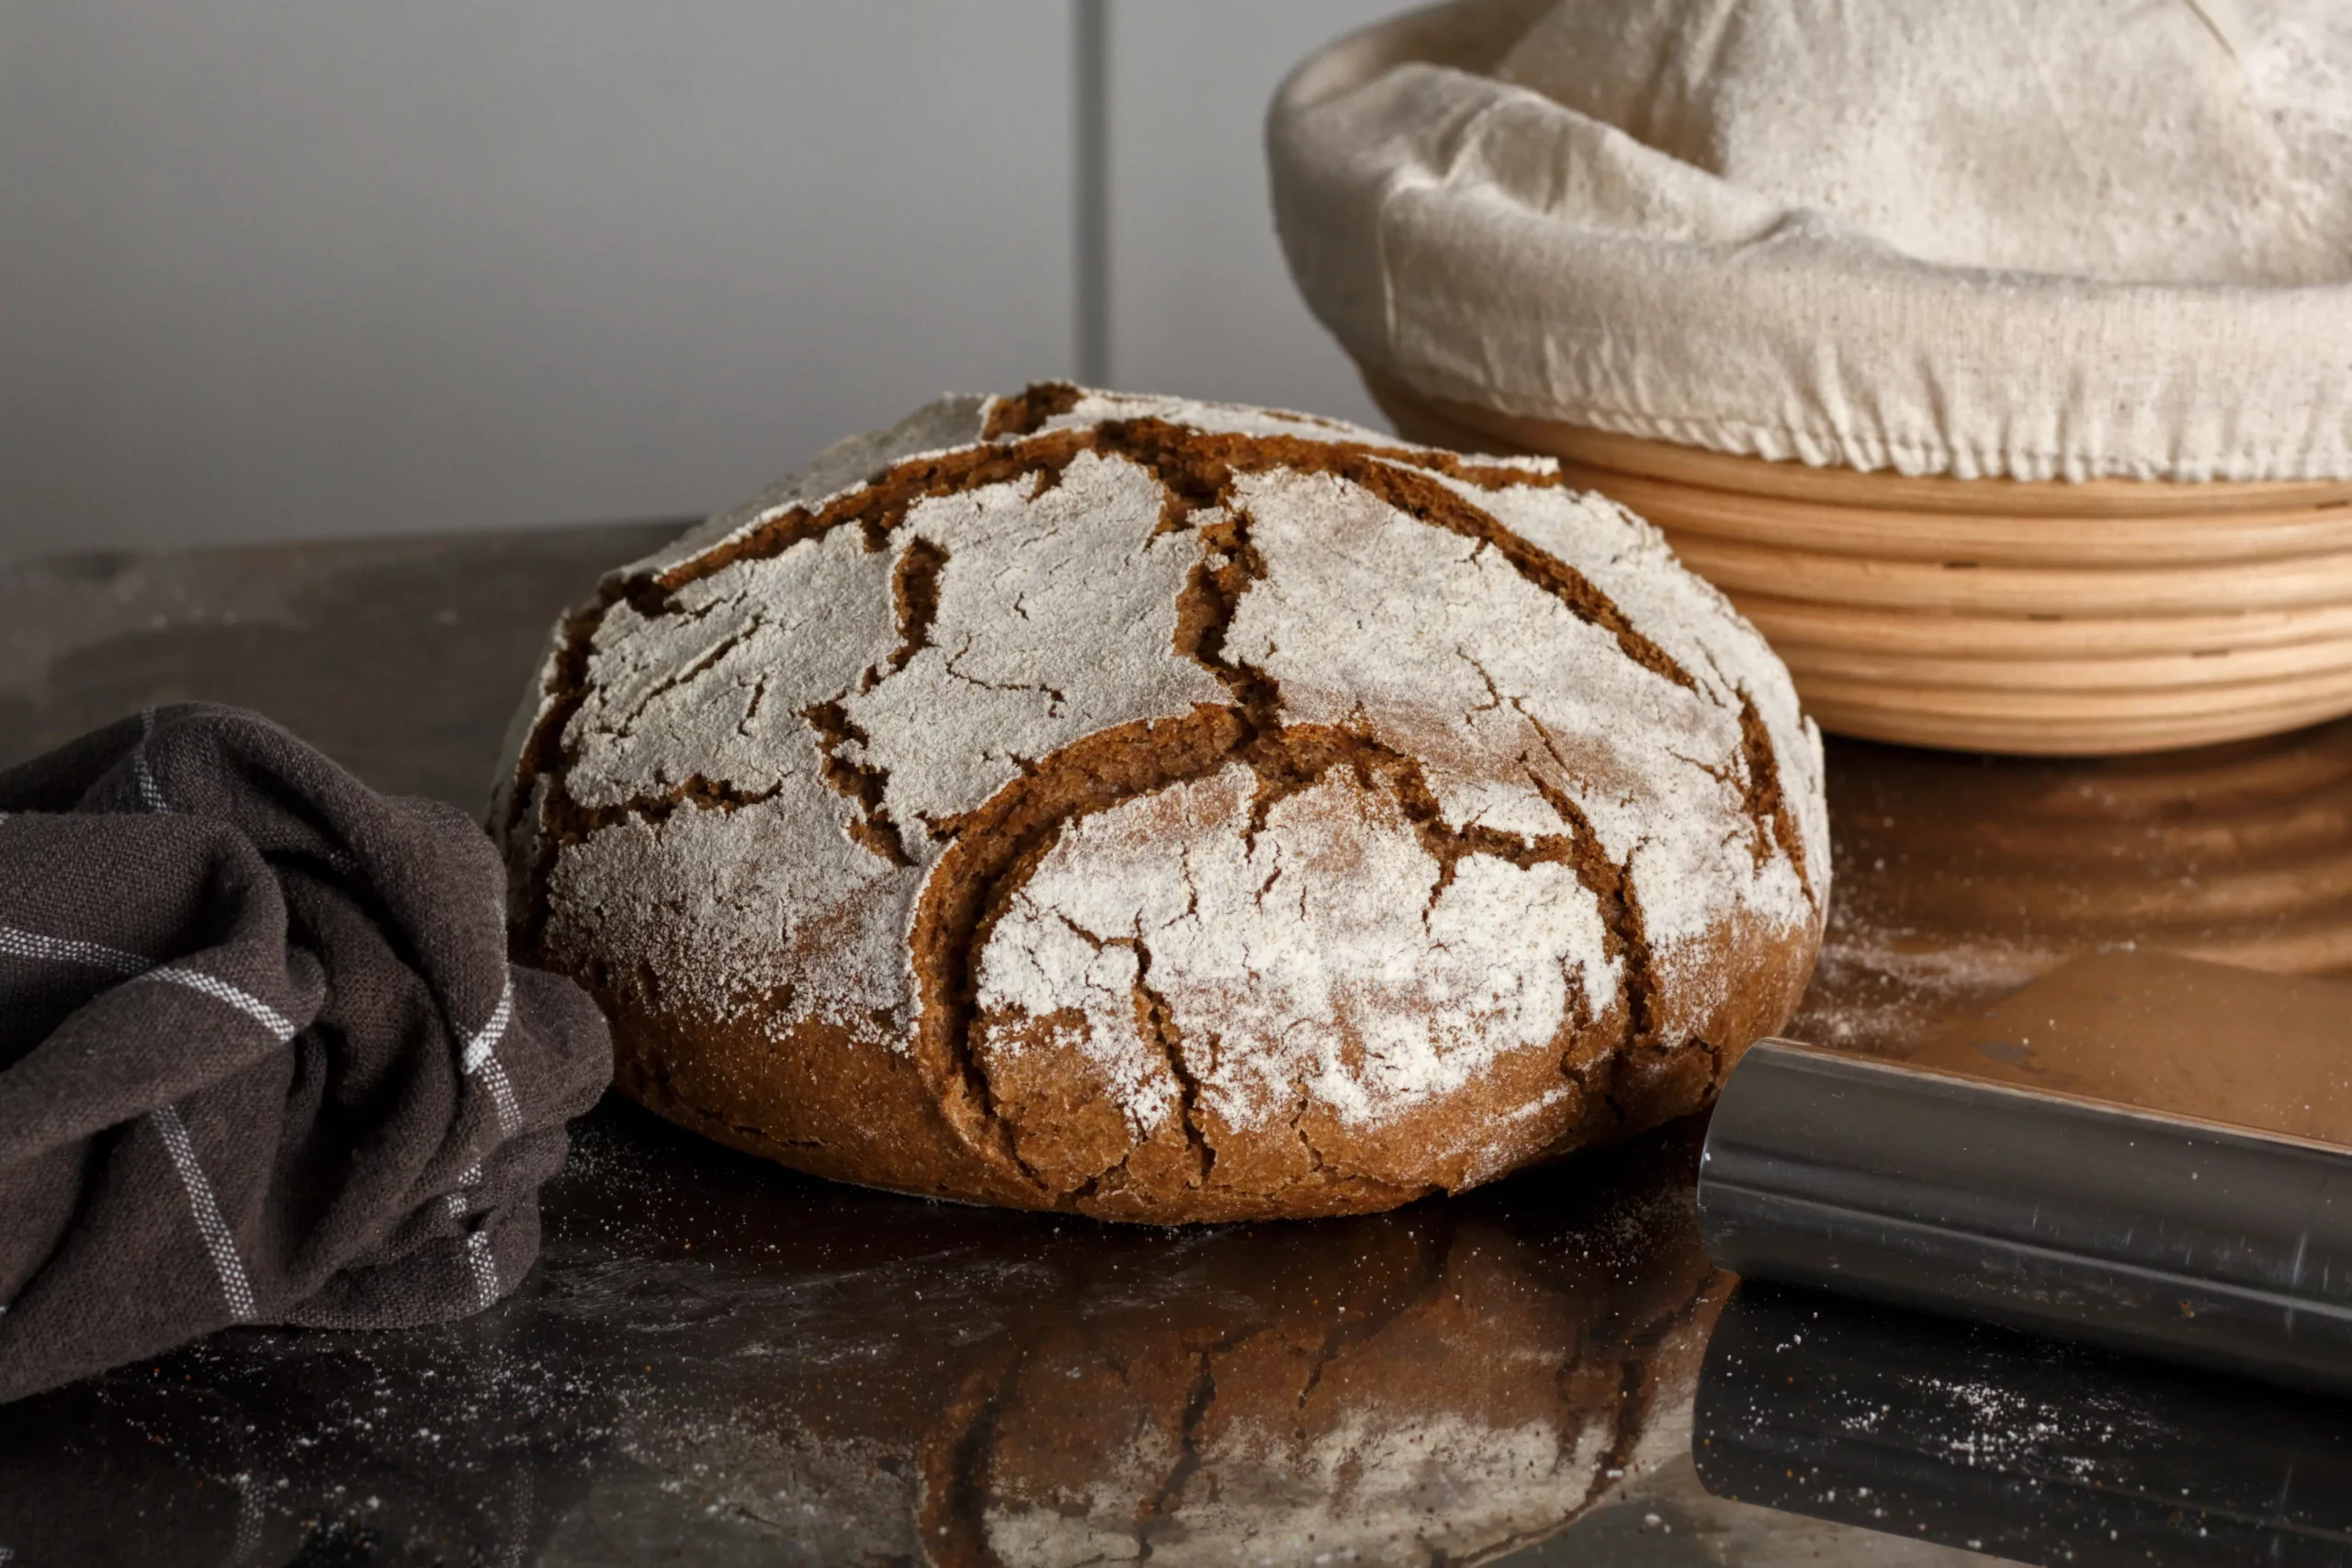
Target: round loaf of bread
x=1167 y=812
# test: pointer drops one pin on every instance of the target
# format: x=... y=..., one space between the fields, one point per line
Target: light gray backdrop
x=276 y=268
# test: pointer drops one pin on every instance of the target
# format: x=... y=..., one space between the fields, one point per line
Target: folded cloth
x=262 y=1057
x=2111 y=242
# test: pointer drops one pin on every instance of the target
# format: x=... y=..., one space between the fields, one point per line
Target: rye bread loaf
x=1167 y=812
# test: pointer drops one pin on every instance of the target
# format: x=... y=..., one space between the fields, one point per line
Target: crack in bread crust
x=1767 y=803
x=980 y=859
x=1196 y=471
x=858 y=782
x=1156 y=1021
x=991 y=855
x=914 y=593
x=878 y=506
x=1031 y=814
x=1026 y=412
x=1621 y=911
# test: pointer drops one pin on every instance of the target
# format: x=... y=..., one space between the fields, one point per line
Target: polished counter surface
x=719 y=1361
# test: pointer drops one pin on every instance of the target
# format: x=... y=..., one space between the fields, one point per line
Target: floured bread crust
x=1168 y=812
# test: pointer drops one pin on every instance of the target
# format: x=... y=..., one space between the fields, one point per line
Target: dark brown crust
x=1026 y=412
x=1766 y=801
x=857 y=1104
x=871 y=826
x=989 y=861
x=879 y=505
x=914 y=593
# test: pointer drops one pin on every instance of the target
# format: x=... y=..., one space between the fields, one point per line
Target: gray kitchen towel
x=262 y=1057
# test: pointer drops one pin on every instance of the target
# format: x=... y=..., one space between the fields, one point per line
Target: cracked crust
x=1168 y=812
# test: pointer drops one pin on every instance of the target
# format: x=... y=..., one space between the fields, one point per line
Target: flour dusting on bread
x=1194 y=810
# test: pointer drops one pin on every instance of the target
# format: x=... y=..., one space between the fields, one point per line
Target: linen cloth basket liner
x=2098 y=239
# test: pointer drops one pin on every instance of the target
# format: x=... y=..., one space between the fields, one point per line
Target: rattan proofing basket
x=2051 y=618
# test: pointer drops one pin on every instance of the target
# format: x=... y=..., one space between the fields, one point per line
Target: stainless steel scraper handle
x=2057 y=1214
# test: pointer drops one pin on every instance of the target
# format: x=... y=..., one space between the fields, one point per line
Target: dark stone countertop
x=719 y=1361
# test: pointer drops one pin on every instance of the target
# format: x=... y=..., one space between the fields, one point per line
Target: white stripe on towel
x=205 y=1208
x=17 y=942
x=480 y=1057
x=479 y=1260
x=484 y=1266
x=151 y=793
x=482 y=1042
x=220 y=990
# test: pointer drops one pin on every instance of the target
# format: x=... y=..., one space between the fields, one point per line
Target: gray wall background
x=287 y=268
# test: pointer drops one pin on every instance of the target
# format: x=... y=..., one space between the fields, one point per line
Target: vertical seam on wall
x=1090 y=192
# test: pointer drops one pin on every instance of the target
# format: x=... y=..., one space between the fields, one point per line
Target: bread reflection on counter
x=1461 y=1393
x=1436 y=1384
x=1960 y=878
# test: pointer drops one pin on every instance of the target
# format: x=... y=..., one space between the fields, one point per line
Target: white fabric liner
x=2077 y=239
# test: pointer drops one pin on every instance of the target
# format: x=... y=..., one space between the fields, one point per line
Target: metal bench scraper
x=2138 y=1150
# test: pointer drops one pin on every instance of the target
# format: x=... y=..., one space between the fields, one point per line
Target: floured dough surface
x=1167 y=811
